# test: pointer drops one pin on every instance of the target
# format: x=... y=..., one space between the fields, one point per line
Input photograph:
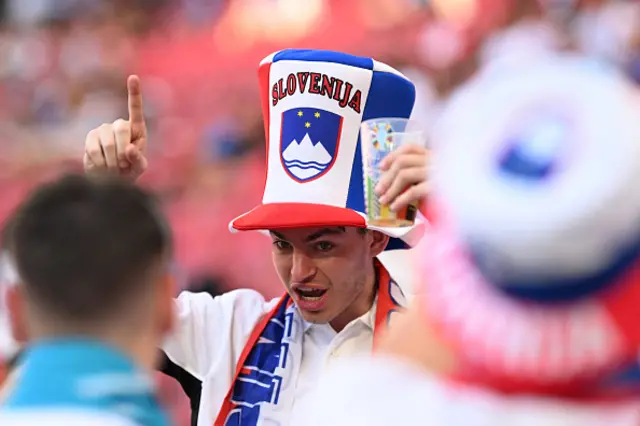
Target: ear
x=379 y=242
x=16 y=305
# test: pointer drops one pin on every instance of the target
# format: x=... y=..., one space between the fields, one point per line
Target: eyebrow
x=278 y=235
x=325 y=231
x=321 y=233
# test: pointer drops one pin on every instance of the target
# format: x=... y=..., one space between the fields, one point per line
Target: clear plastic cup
x=379 y=137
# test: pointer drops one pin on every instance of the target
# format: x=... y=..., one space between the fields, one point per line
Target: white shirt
x=8 y=346
x=8 y=277
x=368 y=391
x=212 y=332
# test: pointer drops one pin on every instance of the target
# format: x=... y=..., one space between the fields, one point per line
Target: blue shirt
x=84 y=375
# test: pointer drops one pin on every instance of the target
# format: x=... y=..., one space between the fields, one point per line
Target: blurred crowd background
x=64 y=63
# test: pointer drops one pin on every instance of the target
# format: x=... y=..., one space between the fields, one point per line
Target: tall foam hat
x=313 y=103
x=533 y=267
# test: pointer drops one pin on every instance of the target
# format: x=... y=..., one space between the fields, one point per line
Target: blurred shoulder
x=379 y=391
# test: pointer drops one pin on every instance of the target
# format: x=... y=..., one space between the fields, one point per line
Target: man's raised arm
x=120 y=147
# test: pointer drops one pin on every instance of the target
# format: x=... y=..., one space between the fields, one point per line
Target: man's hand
x=405 y=180
x=120 y=147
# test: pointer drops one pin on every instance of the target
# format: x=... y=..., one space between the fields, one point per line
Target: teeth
x=311 y=298
x=311 y=294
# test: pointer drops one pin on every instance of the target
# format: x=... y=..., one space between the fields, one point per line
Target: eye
x=281 y=245
x=324 y=246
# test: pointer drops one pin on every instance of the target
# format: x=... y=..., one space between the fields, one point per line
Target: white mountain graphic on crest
x=305 y=160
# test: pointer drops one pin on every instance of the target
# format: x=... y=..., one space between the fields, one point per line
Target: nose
x=303 y=269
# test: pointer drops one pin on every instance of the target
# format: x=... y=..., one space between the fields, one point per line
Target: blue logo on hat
x=533 y=153
x=309 y=142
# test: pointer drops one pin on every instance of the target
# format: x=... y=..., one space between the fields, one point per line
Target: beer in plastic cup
x=378 y=138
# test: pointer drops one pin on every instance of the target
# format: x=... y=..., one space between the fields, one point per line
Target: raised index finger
x=136 y=112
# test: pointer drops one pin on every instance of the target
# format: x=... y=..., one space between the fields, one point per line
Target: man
x=259 y=360
x=94 y=298
x=527 y=313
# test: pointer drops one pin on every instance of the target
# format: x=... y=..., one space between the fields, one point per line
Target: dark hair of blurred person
x=94 y=296
x=78 y=278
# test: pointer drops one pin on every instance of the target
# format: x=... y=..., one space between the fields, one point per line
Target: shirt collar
x=368 y=318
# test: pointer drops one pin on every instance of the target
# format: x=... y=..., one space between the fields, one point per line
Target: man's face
x=328 y=271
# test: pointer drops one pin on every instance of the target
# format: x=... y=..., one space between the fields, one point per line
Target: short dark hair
x=84 y=245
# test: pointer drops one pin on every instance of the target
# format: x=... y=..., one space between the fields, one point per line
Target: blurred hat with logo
x=532 y=266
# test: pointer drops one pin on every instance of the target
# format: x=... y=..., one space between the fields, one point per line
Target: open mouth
x=310 y=294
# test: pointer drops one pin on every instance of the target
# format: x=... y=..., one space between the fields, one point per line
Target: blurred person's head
x=313 y=207
x=93 y=257
x=531 y=270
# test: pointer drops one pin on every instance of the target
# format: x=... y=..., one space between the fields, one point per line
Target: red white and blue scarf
x=265 y=374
